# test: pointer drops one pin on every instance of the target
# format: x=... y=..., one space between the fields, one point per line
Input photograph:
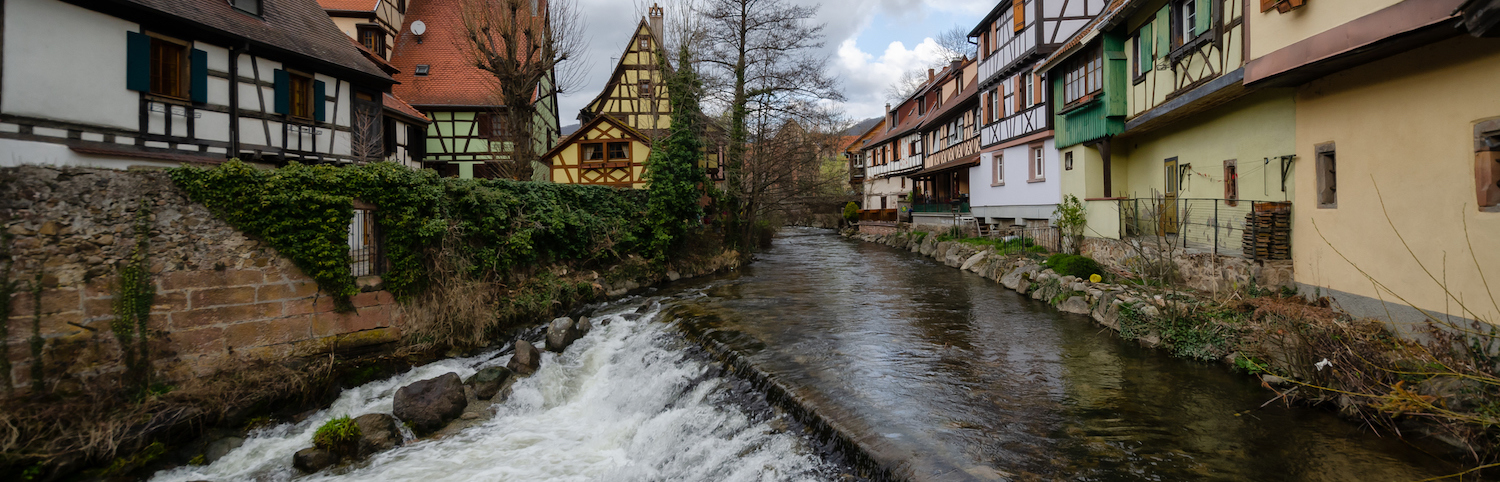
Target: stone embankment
x=1101 y=301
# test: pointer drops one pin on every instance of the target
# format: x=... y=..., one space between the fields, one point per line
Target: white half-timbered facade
x=1016 y=182
x=162 y=82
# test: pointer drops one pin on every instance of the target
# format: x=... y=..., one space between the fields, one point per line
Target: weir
x=831 y=359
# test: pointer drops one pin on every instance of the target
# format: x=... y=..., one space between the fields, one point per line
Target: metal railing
x=365 y=258
x=1251 y=229
x=940 y=207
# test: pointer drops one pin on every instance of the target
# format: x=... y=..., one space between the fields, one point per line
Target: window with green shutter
x=298 y=95
x=164 y=66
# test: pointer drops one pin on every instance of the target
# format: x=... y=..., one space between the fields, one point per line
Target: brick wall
x=221 y=296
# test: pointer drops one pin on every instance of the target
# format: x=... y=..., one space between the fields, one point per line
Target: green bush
x=1074 y=265
x=851 y=212
x=339 y=436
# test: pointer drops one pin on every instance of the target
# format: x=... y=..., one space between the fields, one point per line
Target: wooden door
x=1167 y=211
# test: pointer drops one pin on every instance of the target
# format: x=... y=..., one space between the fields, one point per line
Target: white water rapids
x=625 y=403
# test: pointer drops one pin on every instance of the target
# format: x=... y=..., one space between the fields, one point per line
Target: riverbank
x=1432 y=393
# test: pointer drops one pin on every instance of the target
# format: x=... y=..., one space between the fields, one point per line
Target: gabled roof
x=912 y=123
x=586 y=127
x=614 y=75
x=452 y=79
x=395 y=104
x=297 y=27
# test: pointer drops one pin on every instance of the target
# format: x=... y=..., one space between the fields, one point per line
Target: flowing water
x=940 y=375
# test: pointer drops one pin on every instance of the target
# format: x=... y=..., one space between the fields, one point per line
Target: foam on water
x=625 y=403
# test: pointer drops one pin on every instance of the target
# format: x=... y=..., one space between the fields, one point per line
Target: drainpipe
x=234 y=100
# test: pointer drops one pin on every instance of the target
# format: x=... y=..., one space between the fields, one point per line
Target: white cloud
x=866 y=76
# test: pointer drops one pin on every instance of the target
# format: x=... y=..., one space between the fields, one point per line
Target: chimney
x=656 y=22
x=930 y=75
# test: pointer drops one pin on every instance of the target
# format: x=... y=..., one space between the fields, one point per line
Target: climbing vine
x=304 y=213
x=676 y=180
x=134 y=295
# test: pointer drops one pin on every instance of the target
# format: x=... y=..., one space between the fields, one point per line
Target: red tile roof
x=393 y=103
x=452 y=78
x=300 y=27
x=349 y=5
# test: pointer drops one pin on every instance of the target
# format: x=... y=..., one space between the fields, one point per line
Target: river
x=938 y=374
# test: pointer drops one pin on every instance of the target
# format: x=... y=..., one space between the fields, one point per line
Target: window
x=364 y=248
x=1328 y=196
x=1084 y=77
x=373 y=38
x=422 y=70
x=1231 y=183
x=644 y=89
x=994 y=105
x=1188 y=10
x=1037 y=163
x=619 y=151
x=1189 y=21
x=643 y=43
x=301 y=95
x=1068 y=160
x=491 y=126
x=168 y=68
x=248 y=6
x=591 y=152
x=997 y=170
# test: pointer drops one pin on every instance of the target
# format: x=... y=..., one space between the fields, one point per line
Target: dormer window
x=373 y=38
x=248 y=6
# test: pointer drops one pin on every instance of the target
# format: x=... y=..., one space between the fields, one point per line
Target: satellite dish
x=418 y=27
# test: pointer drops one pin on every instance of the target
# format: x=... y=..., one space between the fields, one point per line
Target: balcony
x=965 y=148
x=910 y=163
x=1000 y=62
x=1026 y=122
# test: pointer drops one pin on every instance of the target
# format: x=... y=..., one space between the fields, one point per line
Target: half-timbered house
x=162 y=82
x=950 y=137
x=1017 y=180
x=374 y=25
x=1157 y=131
x=438 y=77
x=633 y=109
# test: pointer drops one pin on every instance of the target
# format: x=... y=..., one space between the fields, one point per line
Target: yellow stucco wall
x=1404 y=125
x=1271 y=31
x=1247 y=130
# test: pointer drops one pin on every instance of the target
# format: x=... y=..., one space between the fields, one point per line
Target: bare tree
x=763 y=55
x=530 y=49
x=905 y=85
x=366 y=142
x=956 y=45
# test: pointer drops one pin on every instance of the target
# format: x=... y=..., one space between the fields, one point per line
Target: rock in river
x=561 y=332
x=312 y=459
x=488 y=382
x=377 y=433
x=527 y=359
x=430 y=404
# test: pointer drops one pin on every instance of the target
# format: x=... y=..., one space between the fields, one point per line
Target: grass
x=1006 y=247
x=339 y=436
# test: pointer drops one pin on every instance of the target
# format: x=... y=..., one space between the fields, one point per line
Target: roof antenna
x=418 y=28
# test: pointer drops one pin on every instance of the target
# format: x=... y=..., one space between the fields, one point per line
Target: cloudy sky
x=869 y=43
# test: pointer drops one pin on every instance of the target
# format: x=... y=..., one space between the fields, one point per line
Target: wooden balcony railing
x=962 y=149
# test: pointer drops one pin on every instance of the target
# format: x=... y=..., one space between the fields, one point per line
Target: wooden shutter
x=1020 y=104
x=1040 y=95
x=198 y=66
x=1164 y=32
x=1148 y=44
x=283 y=82
x=1268 y=4
x=1204 y=19
x=1020 y=15
x=320 y=92
x=137 y=62
x=486 y=126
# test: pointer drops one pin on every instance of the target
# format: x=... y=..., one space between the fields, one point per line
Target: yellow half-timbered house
x=630 y=114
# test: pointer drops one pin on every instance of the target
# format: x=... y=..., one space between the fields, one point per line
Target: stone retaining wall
x=221 y=295
x=1200 y=271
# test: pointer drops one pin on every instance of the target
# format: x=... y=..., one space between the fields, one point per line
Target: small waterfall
x=628 y=402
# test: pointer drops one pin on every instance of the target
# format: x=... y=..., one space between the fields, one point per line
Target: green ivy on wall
x=134 y=295
x=303 y=212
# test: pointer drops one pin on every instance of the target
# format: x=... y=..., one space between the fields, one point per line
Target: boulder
x=560 y=334
x=630 y=316
x=583 y=326
x=973 y=260
x=221 y=447
x=430 y=404
x=489 y=381
x=526 y=361
x=377 y=433
x=1075 y=304
x=312 y=459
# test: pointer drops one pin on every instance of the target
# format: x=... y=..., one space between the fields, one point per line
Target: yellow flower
x=1094 y=278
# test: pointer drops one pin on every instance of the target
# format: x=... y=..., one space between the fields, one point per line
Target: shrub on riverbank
x=1074 y=265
